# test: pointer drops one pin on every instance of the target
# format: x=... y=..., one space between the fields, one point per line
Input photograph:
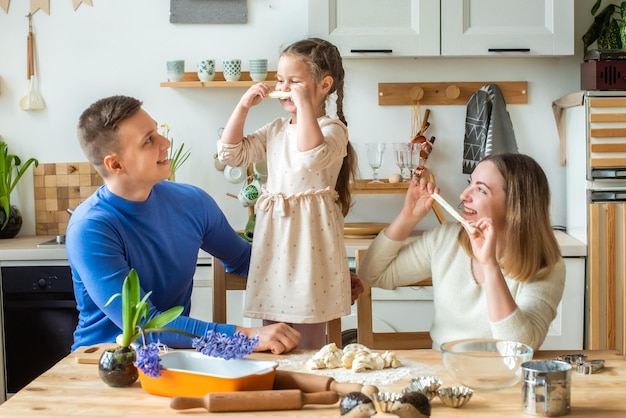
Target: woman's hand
x=483 y=241
x=418 y=202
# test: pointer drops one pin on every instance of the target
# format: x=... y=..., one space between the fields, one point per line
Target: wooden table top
x=72 y=389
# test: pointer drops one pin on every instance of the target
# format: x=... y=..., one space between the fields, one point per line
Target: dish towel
x=488 y=127
x=558 y=107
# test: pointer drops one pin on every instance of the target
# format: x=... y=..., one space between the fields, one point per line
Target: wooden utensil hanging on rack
x=32 y=100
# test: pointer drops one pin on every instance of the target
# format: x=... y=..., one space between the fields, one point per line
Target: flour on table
x=407 y=371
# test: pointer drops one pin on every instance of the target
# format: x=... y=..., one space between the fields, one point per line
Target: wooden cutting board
x=91 y=354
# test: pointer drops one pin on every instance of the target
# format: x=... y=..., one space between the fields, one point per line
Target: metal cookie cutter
x=591 y=367
x=573 y=359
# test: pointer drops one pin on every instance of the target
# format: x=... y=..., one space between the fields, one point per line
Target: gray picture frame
x=209 y=11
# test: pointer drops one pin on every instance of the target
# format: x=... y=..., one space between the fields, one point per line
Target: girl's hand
x=418 y=202
x=300 y=94
x=254 y=95
x=484 y=241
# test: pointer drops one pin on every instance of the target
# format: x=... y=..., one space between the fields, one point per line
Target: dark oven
x=40 y=317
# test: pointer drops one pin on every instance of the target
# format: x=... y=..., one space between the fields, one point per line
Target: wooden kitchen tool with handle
x=32 y=100
x=91 y=354
x=308 y=382
x=255 y=400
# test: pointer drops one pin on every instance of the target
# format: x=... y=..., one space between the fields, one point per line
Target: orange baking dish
x=188 y=373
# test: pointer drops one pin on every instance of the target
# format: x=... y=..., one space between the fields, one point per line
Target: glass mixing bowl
x=486 y=365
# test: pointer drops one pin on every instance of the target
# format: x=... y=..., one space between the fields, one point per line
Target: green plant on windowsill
x=177 y=156
x=608 y=28
x=11 y=171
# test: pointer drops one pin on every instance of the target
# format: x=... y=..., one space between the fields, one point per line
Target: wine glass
x=401 y=153
x=414 y=159
x=375 y=154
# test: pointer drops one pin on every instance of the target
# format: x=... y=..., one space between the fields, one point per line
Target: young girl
x=299 y=270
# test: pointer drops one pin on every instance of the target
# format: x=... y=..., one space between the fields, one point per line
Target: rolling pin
x=308 y=382
x=255 y=400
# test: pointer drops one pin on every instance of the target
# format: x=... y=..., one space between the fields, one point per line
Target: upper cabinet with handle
x=429 y=28
x=498 y=27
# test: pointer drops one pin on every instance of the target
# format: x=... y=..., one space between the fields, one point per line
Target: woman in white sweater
x=504 y=280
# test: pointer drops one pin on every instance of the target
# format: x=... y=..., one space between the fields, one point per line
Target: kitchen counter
x=72 y=389
x=25 y=248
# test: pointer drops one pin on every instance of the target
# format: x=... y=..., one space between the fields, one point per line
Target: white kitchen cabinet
x=566 y=331
x=375 y=28
x=491 y=27
x=414 y=28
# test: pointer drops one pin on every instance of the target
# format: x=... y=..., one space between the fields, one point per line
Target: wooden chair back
x=223 y=282
x=384 y=340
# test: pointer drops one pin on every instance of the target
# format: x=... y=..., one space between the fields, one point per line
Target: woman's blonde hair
x=323 y=58
x=531 y=249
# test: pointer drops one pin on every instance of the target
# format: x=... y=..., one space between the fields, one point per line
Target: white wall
x=120 y=47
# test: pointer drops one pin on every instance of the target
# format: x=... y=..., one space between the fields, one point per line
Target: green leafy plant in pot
x=178 y=155
x=11 y=171
x=118 y=366
x=608 y=28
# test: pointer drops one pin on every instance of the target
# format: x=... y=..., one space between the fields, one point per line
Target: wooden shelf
x=441 y=93
x=363 y=186
x=191 y=80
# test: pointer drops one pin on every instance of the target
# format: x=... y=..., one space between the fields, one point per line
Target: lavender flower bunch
x=220 y=345
x=148 y=359
x=213 y=344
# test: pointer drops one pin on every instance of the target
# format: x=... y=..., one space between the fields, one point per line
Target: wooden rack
x=191 y=80
x=364 y=186
x=442 y=93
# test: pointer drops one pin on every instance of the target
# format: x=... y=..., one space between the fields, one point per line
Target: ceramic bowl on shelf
x=189 y=373
x=484 y=364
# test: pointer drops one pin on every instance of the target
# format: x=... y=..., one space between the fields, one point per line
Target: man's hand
x=356 y=287
x=278 y=338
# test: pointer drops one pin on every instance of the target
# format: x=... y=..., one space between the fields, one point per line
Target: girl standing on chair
x=299 y=271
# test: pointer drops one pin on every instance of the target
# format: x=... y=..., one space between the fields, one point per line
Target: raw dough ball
x=395 y=178
x=329 y=357
x=354 y=356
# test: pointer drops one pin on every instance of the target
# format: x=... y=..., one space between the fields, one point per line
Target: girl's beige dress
x=299 y=270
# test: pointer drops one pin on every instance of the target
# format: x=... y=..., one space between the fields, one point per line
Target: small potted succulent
x=11 y=171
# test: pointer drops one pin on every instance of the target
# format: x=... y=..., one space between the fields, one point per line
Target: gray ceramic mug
x=546 y=387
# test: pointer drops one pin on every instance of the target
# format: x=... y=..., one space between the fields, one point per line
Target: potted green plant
x=177 y=155
x=118 y=366
x=608 y=28
x=11 y=171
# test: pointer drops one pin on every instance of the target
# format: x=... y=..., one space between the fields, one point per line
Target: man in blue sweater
x=139 y=220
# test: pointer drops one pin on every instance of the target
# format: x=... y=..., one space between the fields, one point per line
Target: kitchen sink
x=58 y=241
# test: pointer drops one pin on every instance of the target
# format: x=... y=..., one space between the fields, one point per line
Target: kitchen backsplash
x=58 y=187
